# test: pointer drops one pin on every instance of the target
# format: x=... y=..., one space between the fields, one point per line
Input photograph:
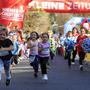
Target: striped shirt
x=45 y=52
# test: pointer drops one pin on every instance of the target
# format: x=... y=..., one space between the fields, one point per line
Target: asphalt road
x=60 y=77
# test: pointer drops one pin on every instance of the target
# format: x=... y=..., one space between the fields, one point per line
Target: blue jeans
x=35 y=64
x=6 y=64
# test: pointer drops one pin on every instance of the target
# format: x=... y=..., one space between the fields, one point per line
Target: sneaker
x=7 y=82
x=81 y=68
x=45 y=77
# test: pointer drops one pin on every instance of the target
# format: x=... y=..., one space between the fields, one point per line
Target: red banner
x=61 y=6
x=12 y=12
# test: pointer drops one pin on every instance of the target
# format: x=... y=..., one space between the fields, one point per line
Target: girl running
x=69 y=45
x=44 y=53
x=33 y=57
x=75 y=35
x=80 y=50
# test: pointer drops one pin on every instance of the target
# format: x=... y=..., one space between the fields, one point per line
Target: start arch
x=12 y=11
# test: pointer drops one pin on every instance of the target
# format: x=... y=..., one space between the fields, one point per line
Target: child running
x=6 y=46
x=44 y=53
x=33 y=57
x=80 y=50
x=69 y=46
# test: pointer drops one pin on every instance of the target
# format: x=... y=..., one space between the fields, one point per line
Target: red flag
x=12 y=12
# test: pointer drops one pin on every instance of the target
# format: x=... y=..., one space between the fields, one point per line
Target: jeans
x=74 y=55
x=6 y=64
x=35 y=64
x=69 y=58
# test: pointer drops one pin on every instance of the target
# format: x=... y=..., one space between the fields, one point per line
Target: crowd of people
x=38 y=49
x=73 y=44
x=14 y=47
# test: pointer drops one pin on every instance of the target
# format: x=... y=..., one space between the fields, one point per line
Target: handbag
x=31 y=58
